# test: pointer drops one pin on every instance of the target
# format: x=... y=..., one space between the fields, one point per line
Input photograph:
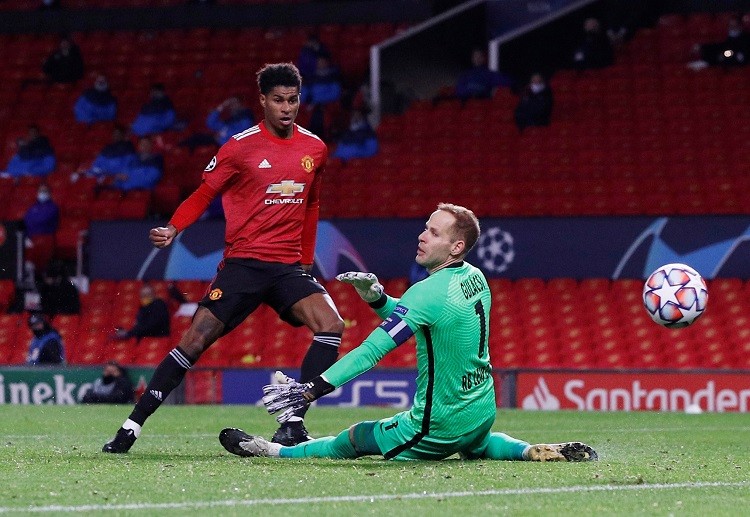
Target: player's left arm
x=286 y=398
x=310 y=225
x=417 y=308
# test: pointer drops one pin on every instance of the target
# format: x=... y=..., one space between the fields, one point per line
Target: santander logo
x=615 y=391
x=541 y=398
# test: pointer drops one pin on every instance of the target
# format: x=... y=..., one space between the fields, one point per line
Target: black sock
x=322 y=353
x=167 y=376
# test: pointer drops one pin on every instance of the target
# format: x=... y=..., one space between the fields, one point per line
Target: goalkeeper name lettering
x=475 y=378
x=472 y=285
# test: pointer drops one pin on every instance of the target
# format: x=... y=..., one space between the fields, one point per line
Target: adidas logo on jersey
x=157 y=394
x=264 y=164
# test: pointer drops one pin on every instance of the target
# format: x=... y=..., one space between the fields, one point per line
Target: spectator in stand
x=322 y=96
x=228 y=119
x=35 y=156
x=479 y=82
x=142 y=172
x=595 y=49
x=157 y=114
x=324 y=86
x=96 y=104
x=116 y=156
x=113 y=387
x=65 y=64
x=359 y=141
x=58 y=294
x=46 y=346
x=733 y=51
x=41 y=221
x=152 y=319
x=535 y=105
x=311 y=50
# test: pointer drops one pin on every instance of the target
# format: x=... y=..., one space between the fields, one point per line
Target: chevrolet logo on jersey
x=287 y=189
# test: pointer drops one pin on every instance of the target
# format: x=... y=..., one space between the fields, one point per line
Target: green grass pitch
x=650 y=464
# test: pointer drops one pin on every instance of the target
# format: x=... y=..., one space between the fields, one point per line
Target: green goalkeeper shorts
x=399 y=440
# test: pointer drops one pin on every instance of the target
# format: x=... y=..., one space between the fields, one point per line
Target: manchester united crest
x=308 y=163
x=215 y=294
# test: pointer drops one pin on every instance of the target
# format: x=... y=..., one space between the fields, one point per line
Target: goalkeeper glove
x=366 y=284
x=290 y=396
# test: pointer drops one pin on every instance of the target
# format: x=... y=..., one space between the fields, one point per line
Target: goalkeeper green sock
x=338 y=447
x=504 y=447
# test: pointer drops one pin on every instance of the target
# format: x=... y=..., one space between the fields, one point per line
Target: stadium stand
x=535 y=323
x=597 y=158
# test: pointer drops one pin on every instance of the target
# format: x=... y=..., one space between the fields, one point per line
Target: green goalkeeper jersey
x=448 y=313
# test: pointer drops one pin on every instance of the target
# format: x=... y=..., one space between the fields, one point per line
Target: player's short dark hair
x=278 y=74
x=466 y=227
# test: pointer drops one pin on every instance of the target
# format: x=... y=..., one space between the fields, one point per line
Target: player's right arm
x=186 y=214
x=222 y=172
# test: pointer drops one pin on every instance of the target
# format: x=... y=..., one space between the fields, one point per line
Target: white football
x=675 y=295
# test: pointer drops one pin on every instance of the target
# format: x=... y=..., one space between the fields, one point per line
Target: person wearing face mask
x=359 y=141
x=46 y=346
x=113 y=387
x=142 y=171
x=157 y=114
x=41 y=221
x=96 y=104
x=152 y=319
x=535 y=105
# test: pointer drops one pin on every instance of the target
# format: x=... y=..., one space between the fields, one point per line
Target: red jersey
x=270 y=190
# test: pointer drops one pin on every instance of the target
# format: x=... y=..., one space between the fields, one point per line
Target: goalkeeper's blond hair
x=466 y=228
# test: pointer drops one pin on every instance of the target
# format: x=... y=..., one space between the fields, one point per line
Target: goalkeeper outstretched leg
x=240 y=443
x=570 y=451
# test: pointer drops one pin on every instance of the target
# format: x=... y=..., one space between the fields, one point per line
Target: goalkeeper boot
x=290 y=434
x=240 y=443
x=121 y=443
x=570 y=451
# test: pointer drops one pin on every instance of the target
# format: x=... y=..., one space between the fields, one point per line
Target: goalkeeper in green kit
x=454 y=405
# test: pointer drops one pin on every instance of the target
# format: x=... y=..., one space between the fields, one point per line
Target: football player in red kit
x=269 y=178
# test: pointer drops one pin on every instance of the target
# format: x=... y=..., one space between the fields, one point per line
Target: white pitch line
x=696 y=428
x=367 y=498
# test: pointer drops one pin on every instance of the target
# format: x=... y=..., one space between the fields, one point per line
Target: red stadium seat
x=132 y=208
x=9 y=329
x=167 y=198
x=150 y=351
x=70 y=232
x=203 y=387
x=7 y=294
